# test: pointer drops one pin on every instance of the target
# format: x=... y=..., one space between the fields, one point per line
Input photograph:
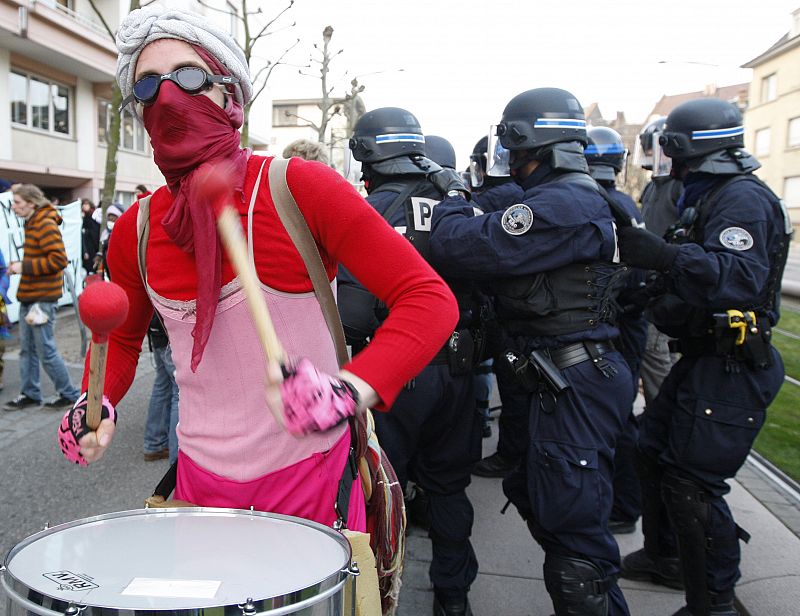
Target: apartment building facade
x=57 y=65
x=772 y=120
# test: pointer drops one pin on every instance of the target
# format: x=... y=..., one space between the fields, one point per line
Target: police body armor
x=704 y=332
x=573 y=298
x=416 y=199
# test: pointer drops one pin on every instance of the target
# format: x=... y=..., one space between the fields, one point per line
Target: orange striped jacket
x=44 y=258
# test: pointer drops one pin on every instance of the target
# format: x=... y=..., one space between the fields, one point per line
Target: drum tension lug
x=248 y=608
x=46 y=526
x=74 y=610
x=353 y=569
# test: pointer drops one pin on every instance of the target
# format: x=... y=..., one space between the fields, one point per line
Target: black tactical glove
x=446 y=180
x=641 y=248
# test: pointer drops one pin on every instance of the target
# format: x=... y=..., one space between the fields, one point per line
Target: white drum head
x=178 y=559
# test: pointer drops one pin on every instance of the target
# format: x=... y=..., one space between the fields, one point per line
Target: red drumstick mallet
x=103 y=306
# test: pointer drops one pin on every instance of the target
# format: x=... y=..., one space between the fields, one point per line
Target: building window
x=769 y=88
x=793 y=137
x=133 y=136
x=762 y=141
x=791 y=192
x=39 y=103
x=284 y=115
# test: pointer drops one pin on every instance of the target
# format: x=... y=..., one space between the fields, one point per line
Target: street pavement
x=38 y=487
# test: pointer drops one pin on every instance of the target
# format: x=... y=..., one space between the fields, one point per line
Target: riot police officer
x=659 y=210
x=491 y=194
x=606 y=155
x=550 y=260
x=719 y=296
x=432 y=432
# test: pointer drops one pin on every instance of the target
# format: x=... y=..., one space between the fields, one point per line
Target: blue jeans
x=37 y=343
x=162 y=414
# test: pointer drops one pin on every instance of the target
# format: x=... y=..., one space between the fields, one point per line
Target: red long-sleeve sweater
x=423 y=311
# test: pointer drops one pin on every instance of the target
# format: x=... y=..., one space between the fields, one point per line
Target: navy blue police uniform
x=512 y=438
x=559 y=237
x=432 y=433
x=631 y=343
x=719 y=298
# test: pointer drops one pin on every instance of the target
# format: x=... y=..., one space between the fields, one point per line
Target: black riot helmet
x=440 y=151
x=699 y=127
x=386 y=133
x=605 y=153
x=540 y=117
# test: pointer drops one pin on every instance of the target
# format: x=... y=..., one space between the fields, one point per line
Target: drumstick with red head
x=103 y=306
x=213 y=181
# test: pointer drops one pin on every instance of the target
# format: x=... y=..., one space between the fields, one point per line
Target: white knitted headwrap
x=151 y=23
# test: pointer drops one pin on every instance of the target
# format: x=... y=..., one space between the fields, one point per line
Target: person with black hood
x=431 y=433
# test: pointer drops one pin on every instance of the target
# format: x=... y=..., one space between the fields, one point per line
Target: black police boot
x=640 y=566
x=494 y=465
x=451 y=607
x=720 y=604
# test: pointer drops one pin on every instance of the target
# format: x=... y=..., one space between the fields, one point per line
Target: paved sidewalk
x=510 y=581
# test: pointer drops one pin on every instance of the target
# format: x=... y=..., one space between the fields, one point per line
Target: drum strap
x=166 y=486
x=342 y=504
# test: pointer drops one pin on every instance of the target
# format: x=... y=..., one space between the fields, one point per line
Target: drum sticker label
x=67 y=580
x=159 y=587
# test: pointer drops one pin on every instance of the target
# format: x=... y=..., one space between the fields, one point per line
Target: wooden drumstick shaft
x=230 y=229
x=97 y=377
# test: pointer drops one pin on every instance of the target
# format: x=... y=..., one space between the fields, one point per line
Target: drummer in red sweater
x=189 y=82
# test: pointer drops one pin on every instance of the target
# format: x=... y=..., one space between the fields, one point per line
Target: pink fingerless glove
x=73 y=427
x=314 y=401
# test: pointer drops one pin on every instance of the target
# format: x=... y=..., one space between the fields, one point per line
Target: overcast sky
x=463 y=61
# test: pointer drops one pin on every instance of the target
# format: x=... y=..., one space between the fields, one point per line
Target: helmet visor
x=643 y=154
x=476 y=170
x=497 y=157
x=351 y=168
x=662 y=164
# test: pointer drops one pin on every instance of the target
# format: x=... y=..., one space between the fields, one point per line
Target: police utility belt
x=736 y=335
x=459 y=353
x=541 y=370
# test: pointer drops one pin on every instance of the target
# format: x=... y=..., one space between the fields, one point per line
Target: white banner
x=12 y=240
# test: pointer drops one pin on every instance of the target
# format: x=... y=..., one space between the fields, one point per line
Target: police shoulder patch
x=736 y=238
x=517 y=219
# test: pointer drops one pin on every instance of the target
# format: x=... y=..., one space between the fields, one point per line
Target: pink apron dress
x=232 y=452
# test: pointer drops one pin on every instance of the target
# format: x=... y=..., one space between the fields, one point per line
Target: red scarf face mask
x=186 y=132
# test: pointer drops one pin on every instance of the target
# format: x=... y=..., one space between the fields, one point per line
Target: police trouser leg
x=659 y=540
x=627 y=491
x=576 y=586
x=687 y=503
x=453 y=563
x=512 y=424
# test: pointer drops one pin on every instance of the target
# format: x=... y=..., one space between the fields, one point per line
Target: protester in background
x=4 y=321
x=141 y=192
x=90 y=236
x=39 y=289
x=307 y=150
x=160 y=440
x=113 y=212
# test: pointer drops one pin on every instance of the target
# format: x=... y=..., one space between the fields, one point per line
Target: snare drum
x=179 y=561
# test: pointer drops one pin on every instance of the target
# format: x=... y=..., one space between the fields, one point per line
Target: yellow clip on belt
x=742 y=321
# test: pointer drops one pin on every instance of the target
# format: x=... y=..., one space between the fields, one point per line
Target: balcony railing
x=75 y=16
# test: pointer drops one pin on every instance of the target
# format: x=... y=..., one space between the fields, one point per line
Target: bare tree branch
x=103 y=20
